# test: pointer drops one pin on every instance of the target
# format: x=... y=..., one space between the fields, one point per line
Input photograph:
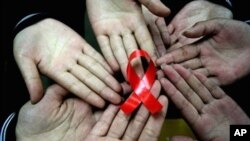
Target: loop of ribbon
x=141 y=87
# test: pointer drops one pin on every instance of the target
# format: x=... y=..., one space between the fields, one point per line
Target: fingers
x=212 y=86
x=179 y=55
x=103 y=124
x=195 y=84
x=55 y=93
x=122 y=120
x=90 y=51
x=157 y=37
x=130 y=46
x=107 y=52
x=95 y=84
x=186 y=108
x=164 y=30
x=126 y=88
x=97 y=69
x=145 y=41
x=195 y=63
x=184 y=87
x=129 y=43
x=79 y=89
x=203 y=71
x=141 y=117
x=154 y=124
x=203 y=28
x=31 y=77
x=156 y=7
x=119 y=52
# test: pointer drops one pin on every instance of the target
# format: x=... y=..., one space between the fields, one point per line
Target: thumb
x=32 y=78
x=203 y=28
x=55 y=93
x=156 y=7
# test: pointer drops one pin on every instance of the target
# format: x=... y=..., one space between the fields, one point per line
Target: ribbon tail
x=130 y=104
x=150 y=102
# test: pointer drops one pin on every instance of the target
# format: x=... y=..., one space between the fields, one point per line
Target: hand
x=190 y=14
x=55 y=50
x=158 y=29
x=205 y=106
x=56 y=118
x=119 y=26
x=223 y=57
x=156 y=7
x=117 y=126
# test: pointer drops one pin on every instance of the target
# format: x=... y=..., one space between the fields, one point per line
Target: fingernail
x=163 y=66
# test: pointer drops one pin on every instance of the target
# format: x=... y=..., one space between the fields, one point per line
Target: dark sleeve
x=70 y=13
x=241 y=10
x=7 y=132
x=12 y=11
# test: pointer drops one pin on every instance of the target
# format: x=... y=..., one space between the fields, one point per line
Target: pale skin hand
x=158 y=30
x=54 y=118
x=120 y=29
x=190 y=14
x=224 y=57
x=206 y=107
x=59 y=119
x=55 y=50
x=117 y=126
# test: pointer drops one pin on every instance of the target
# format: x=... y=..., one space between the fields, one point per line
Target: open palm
x=191 y=13
x=58 y=117
x=56 y=51
x=120 y=29
x=54 y=118
x=204 y=105
x=222 y=57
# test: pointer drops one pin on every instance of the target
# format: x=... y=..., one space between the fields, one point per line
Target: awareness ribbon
x=141 y=87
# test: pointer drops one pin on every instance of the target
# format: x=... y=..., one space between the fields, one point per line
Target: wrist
x=27 y=21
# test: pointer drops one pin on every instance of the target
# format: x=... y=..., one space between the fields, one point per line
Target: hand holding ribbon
x=140 y=86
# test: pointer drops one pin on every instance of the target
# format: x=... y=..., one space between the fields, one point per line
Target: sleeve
x=28 y=12
x=241 y=10
x=8 y=128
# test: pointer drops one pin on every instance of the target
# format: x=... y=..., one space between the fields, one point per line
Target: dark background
x=13 y=92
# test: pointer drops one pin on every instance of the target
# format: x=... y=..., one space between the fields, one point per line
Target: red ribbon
x=141 y=87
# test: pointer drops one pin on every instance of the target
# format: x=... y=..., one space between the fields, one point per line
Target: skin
x=58 y=117
x=205 y=106
x=120 y=29
x=193 y=12
x=158 y=30
x=222 y=57
x=53 y=49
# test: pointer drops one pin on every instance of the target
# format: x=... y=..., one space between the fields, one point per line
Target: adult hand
x=224 y=56
x=117 y=126
x=56 y=118
x=191 y=13
x=120 y=29
x=206 y=107
x=158 y=29
x=156 y=7
x=55 y=50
